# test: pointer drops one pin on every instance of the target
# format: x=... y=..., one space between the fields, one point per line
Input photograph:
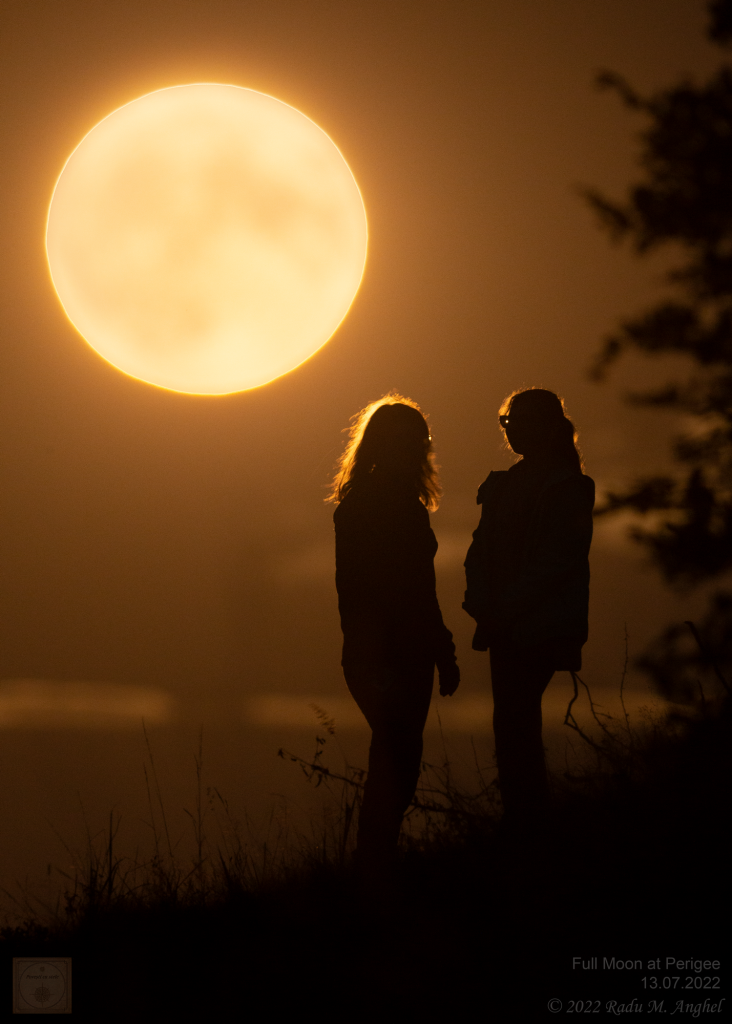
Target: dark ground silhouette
x=633 y=865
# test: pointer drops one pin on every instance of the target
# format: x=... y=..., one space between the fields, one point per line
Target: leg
x=519 y=680
x=396 y=716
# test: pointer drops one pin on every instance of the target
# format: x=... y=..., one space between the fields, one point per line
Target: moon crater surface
x=206 y=238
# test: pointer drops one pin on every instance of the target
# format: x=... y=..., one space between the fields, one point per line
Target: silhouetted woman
x=528 y=586
x=393 y=634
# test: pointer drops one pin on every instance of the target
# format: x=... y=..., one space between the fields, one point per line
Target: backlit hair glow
x=366 y=439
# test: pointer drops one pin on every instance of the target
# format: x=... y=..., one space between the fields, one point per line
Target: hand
x=449 y=678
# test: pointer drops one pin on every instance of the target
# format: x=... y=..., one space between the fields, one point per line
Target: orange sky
x=164 y=541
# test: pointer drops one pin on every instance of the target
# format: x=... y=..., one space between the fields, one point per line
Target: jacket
x=527 y=570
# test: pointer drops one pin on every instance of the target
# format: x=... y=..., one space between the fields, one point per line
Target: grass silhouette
x=635 y=857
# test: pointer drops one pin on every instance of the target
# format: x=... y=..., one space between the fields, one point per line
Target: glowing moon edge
x=268 y=376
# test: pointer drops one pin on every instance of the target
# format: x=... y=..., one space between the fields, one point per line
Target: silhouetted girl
x=393 y=634
x=528 y=585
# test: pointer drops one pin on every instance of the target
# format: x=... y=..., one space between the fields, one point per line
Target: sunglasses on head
x=525 y=418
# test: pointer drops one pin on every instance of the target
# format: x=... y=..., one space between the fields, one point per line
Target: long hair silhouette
x=393 y=427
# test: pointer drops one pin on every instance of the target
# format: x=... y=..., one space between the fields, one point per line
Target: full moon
x=206 y=238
